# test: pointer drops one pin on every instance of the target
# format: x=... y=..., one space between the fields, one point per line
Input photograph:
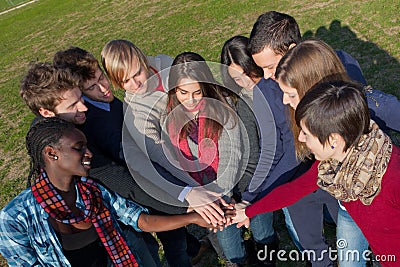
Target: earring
x=332 y=147
x=55 y=157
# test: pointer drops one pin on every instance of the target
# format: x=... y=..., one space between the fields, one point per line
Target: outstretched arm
x=207 y=204
x=287 y=194
x=282 y=196
x=156 y=223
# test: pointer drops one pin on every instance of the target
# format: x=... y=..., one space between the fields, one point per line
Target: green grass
x=369 y=30
x=7 y=4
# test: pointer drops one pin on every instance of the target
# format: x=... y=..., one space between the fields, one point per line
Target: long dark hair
x=43 y=132
x=235 y=51
x=193 y=66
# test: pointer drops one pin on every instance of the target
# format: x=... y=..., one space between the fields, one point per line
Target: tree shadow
x=380 y=69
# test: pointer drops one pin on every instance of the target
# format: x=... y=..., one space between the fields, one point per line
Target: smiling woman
x=189 y=93
x=67 y=219
x=58 y=157
x=198 y=119
x=358 y=164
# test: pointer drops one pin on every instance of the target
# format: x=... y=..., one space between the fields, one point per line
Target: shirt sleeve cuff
x=184 y=193
x=247 y=196
x=135 y=218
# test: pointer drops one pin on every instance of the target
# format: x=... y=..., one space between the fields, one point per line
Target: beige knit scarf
x=359 y=176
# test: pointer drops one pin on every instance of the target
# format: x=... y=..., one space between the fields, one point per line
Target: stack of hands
x=217 y=213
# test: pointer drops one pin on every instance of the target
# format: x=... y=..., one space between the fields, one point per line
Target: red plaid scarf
x=207 y=141
x=95 y=212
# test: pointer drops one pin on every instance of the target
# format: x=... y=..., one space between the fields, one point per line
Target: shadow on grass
x=381 y=70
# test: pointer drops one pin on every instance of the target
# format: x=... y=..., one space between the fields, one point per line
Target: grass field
x=369 y=30
x=7 y=4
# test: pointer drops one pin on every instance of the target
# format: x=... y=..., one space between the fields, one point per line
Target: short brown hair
x=335 y=107
x=79 y=61
x=44 y=85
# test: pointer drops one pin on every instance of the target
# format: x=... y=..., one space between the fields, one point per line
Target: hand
x=229 y=212
x=241 y=218
x=198 y=219
x=242 y=205
x=207 y=204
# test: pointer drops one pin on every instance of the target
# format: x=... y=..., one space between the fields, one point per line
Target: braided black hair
x=43 y=132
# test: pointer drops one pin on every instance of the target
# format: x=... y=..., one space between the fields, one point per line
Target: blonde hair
x=305 y=65
x=117 y=57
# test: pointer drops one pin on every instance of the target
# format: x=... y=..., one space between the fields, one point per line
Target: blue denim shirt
x=28 y=239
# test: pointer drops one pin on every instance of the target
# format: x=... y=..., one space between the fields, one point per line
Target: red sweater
x=379 y=222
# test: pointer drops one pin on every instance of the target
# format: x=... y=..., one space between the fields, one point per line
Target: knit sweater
x=142 y=142
x=244 y=109
x=229 y=166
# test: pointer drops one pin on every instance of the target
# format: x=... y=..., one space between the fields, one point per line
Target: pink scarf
x=205 y=170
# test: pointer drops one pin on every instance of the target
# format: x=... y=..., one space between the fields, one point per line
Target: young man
x=272 y=36
x=49 y=91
